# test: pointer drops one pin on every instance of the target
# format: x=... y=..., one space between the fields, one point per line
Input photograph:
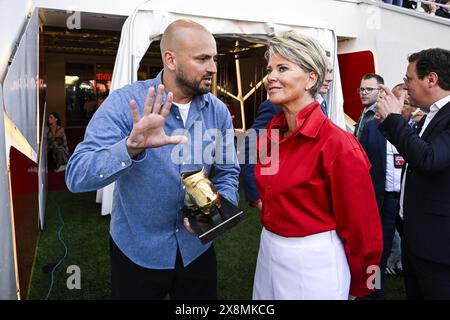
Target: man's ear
x=169 y=60
x=432 y=79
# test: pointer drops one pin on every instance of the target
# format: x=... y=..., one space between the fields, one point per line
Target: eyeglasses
x=366 y=90
x=406 y=80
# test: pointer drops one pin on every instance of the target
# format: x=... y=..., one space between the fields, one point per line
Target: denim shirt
x=146 y=219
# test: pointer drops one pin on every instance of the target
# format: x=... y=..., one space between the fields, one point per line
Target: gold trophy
x=209 y=214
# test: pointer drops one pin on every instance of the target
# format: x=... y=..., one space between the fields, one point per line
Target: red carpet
x=56 y=180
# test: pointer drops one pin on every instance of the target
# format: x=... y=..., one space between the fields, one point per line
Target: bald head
x=178 y=33
x=398 y=89
x=407 y=109
x=188 y=50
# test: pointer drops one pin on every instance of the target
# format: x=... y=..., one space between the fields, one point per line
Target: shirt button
x=184 y=187
x=178 y=117
x=176 y=230
x=101 y=176
x=122 y=164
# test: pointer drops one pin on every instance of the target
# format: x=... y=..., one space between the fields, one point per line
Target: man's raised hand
x=388 y=103
x=148 y=130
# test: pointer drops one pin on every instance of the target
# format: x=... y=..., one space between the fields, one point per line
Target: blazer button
x=409 y=170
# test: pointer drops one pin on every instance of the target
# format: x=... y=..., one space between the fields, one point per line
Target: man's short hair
x=435 y=60
x=375 y=76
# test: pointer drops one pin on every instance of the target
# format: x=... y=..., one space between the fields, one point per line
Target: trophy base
x=219 y=220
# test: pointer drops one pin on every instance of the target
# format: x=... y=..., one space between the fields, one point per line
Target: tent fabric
x=150 y=20
x=7 y=267
x=20 y=85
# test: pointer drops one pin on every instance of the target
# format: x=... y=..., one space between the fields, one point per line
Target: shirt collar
x=372 y=108
x=319 y=98
x=309 y=121
x=438 y=105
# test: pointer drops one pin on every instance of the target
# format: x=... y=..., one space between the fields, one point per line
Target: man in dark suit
x=266 y=111
x=424 y=200
x=386 y=170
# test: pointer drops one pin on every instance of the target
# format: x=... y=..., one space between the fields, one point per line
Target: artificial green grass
x=395 y=288
x=86 y=234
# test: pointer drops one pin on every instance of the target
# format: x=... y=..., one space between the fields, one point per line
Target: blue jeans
x=395 y=259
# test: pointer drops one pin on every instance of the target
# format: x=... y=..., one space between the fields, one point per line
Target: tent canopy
x=149 y=21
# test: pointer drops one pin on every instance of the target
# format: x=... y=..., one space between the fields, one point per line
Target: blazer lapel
x=421 y=122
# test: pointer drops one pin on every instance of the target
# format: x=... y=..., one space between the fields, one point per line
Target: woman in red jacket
x=322 y=233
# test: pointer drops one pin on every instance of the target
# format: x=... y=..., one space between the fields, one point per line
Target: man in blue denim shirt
x=145 y=150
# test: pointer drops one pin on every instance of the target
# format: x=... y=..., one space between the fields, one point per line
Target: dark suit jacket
x=266 y=111
x=427 y=189
x=374 y=143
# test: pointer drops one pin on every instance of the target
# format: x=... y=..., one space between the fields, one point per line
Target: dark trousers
x=388 y=215
x=198 y=280
x=424 y=279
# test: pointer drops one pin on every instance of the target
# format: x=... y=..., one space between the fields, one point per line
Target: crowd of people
x=439 y=8
x=329 y=211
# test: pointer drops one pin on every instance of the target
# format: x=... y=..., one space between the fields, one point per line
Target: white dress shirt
x=393 y=174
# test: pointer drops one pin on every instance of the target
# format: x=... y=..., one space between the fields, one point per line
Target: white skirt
x=308 y=268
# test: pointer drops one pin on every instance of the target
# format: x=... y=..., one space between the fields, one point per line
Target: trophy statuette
x=209 y=214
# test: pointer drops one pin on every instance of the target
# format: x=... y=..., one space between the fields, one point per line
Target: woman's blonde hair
x=304 y=51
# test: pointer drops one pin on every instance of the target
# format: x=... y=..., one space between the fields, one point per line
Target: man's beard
x=191 y=88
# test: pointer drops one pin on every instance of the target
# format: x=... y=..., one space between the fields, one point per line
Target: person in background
x=443 y=11
x=425 y=186
x=387 y=164
x=266 y=111
x=326 y=86
x=429 y=8
x=319 y=211
x=416 y=116
x=133 y=140
x=58 y=152
x=368 y=94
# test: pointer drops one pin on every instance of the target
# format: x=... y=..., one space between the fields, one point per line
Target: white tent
x=239 y=19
